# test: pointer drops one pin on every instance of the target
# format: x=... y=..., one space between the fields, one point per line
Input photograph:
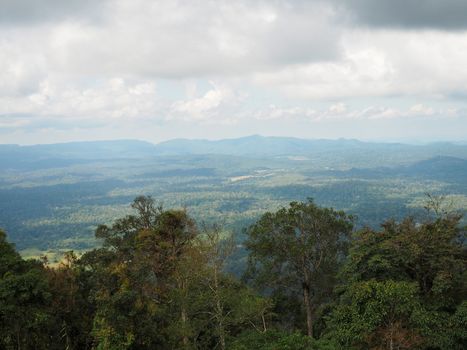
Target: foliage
x=155 y=273
x=379 y=315
x=24 y=296
x=297 y=250
x=404 y=287
x=51 y=205
x=160 y=281
x=278 y=340
x=271 y=340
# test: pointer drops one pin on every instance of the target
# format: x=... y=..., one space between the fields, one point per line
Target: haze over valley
x=54 y=196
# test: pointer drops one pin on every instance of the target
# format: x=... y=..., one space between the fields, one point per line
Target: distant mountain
x=343 y=152
x=65 y=154
x=98 y=149
x=253 y=145
x=256 y=145
x=442 y=168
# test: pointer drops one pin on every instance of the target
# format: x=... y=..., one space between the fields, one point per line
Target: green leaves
x=157 y=283
x=24 y=301
x=401 y=287
x=298 y=250
x=272 y=340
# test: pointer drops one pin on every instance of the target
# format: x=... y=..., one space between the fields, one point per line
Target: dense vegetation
x=159 y=281
x=52 y=197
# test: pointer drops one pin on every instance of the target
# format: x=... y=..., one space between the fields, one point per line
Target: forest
x=312 y=280
x=52 y=197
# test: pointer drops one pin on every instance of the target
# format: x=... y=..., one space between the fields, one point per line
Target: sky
x=386 y=70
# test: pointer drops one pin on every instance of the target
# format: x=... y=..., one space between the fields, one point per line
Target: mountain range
x=250 y=146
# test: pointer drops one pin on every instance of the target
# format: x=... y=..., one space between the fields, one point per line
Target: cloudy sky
x=158 y=69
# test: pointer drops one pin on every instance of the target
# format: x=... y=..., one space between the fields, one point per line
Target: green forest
x=312 y=280
x=52 y=197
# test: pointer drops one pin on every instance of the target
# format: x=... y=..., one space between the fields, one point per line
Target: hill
x=65 y=154
x=53 y=196
x=253 y=145
x=441 y=168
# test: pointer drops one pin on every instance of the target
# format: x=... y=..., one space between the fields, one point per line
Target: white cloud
x=67 y=65
x=274 y=112
x=110 y=99
x=181 y=39
x=340 y=111
x=420 y=109
x=380 y=63
x=20 y=73
x=212 y=104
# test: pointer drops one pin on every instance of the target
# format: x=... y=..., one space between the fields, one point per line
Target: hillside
x=64 y=154
x=253 y=145
x=345 y=152
x=53 y=196
x=440 y=168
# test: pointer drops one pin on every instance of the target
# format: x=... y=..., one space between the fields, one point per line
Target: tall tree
x=24 y=301
x=72 y=312
x=230 y=304
x=134 y=274
x=299 y=248
x=404 y=287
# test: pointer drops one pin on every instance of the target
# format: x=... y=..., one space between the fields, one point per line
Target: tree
x=70 y=285
x=404 y=286
x=135 y=274
x=158 y=284
x=273 y=340
x=230 y=304
x=24 y=301
x=298 y=249
x=378 y=315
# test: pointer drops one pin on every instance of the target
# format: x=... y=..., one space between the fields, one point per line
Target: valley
x=52 y=197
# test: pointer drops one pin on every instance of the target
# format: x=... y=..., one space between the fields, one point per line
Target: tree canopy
x=160 y=280
x=297 y=250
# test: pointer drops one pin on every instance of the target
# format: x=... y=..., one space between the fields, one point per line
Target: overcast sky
x=155 y=70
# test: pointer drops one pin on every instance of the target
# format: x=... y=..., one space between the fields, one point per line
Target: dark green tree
x=231 y=305
x=298 y=250
x=24 y=301
x=70 y=306
x=134 y=271
x=404 y=287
